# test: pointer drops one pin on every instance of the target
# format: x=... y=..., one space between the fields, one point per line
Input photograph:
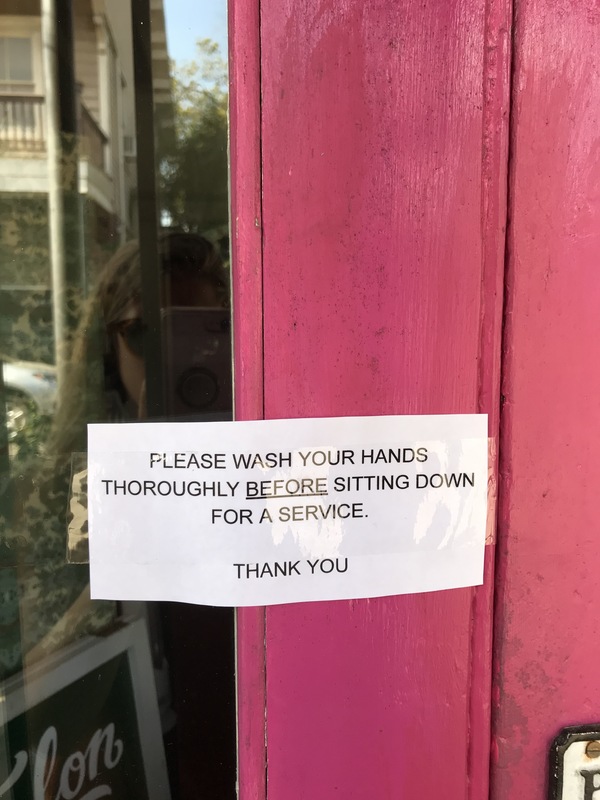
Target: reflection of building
x=103 y=174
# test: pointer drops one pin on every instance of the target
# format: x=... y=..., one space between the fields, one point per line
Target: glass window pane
x=115 y=270
x=19 y=59
x=3 y=70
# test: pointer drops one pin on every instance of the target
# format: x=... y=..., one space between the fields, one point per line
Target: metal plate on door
x=575 y=764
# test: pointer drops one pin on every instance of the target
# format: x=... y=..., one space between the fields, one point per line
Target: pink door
x=379 y=152
x=370 y=269
x=546 y=632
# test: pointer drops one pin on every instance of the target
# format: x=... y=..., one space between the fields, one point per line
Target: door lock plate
x=575 y=764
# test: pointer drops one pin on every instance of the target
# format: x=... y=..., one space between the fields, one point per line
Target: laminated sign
x=282 y=511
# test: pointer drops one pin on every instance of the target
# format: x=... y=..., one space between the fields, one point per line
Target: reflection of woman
x=107 y=367
x=105 y=382
x=192 y=276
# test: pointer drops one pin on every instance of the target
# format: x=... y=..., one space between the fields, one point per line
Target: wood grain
x=547 y=630
x=381 y=296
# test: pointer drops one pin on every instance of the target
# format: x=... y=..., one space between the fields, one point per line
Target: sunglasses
x=133 y=333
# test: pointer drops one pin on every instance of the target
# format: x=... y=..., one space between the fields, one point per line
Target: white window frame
x=25 y=28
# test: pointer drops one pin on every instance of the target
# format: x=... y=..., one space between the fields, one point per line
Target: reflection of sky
x=187 y=22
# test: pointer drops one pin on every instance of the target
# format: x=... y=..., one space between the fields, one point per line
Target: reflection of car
x=29 y=388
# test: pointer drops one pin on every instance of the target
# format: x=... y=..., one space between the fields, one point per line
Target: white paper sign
x=282 y=511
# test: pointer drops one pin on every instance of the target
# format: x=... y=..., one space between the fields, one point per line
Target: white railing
x=22 y=122
x=23 y=128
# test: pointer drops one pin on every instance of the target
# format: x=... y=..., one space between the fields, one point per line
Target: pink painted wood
x=547 y=626
x=382 y=261
x=496 y=89
x=246 y=248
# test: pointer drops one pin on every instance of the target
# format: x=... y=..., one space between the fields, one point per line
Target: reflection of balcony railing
x=92 y=140
x=22 y=128
x=22 y=119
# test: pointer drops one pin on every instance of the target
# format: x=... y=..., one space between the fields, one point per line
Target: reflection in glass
x=90 y=229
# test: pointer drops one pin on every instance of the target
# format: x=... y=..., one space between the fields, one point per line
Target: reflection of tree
x=193 y=172
x=24 y=253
